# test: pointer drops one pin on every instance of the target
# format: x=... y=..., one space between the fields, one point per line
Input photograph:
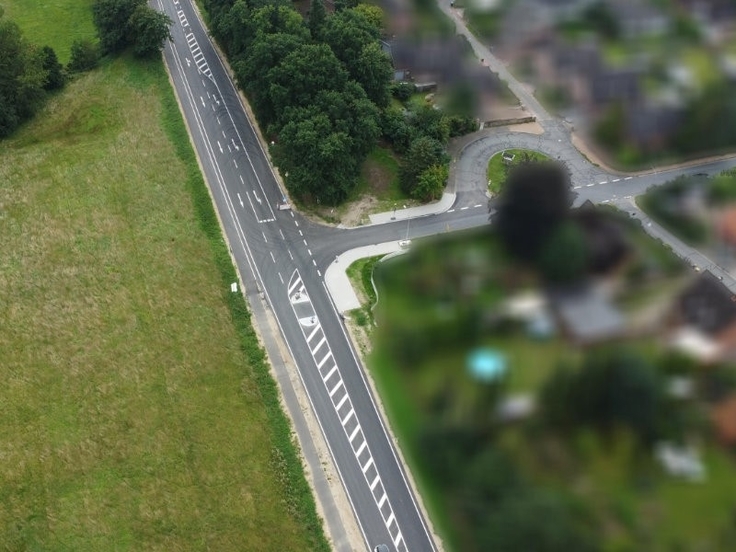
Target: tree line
x=321 y=88
x=29 y=72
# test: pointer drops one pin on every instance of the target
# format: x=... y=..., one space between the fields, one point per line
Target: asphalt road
x=282 y=258
x=282 y=268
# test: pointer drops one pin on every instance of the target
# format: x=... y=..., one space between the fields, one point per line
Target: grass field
x=498 y=168
x=137 y=409
x=55 y=23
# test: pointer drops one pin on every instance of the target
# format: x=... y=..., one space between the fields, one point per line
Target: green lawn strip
x=138 y=409
x=498 y=168
x=379 y=177
x=55 y=23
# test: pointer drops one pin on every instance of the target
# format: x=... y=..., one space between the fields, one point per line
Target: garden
x=542 y=444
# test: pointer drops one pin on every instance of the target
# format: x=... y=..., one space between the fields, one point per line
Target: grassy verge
x=498 y=168
x=360 y=273
x=138 y=409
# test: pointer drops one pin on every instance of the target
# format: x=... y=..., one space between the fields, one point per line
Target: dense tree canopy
x=22 y=77
x=124 y=23
x=150 y=28
x=54 y=70
x=85 y=56
x=111 y=21
x=423 y=153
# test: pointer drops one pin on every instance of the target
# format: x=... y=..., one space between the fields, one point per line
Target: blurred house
x=637 y=18
x=651 y=126
x=716 y=19
x=586 y=315
x=526 y=21
x=579 y=70
x=703 y=320
x=726 y=227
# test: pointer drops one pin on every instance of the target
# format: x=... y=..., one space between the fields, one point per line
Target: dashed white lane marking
x=322 y=342
x=305 y=243
x=577 y=187
x=223 y=132
x=368 y=464
x=235 y=163
x=202 y=100
x=220 y=146
x=314 y=262
x=347 y=419
x=314 y=332
x=319 y=273
x=300 y=233
x=478 y=205
x=325 y=359
x=628 y=178
x=290 y=255
x=241 y=179
x=615 y=180
x=264 y=236
x=272 y=257
x=604 y=182
x=282 y=234
x=375 y=481
x=451 y=211
x=589 y=185
x=334 y=389
x=342 y=401
x=334 y=369
x=463 y=208
x=296 y=221
x=280 y=278
x=309 y=251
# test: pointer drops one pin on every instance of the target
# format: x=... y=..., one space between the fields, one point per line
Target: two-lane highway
x=277 y=264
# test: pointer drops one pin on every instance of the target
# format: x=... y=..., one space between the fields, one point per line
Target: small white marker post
x=234 y=287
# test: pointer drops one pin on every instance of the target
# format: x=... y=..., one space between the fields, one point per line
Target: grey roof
x=619 y=85
x=587 y=314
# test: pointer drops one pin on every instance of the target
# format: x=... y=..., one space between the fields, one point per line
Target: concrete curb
x=336 y=278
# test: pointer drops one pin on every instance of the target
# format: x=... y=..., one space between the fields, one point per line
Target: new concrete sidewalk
x=447 y=200
x=337 y=281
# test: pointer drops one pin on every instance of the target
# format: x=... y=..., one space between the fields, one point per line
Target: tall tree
x=54 y=70
x=303 y=74
x=374 y=72
x=84 y=57
x=22 y=77
x=423 y=153
x=149 y=29
x=111 y=21
x=317 y=18
x=535 y=199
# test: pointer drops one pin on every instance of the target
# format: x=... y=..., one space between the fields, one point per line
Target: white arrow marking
x=203 y=104
x=235 y=145
x=189 y=63
x=240 y=199
x=255 y=195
